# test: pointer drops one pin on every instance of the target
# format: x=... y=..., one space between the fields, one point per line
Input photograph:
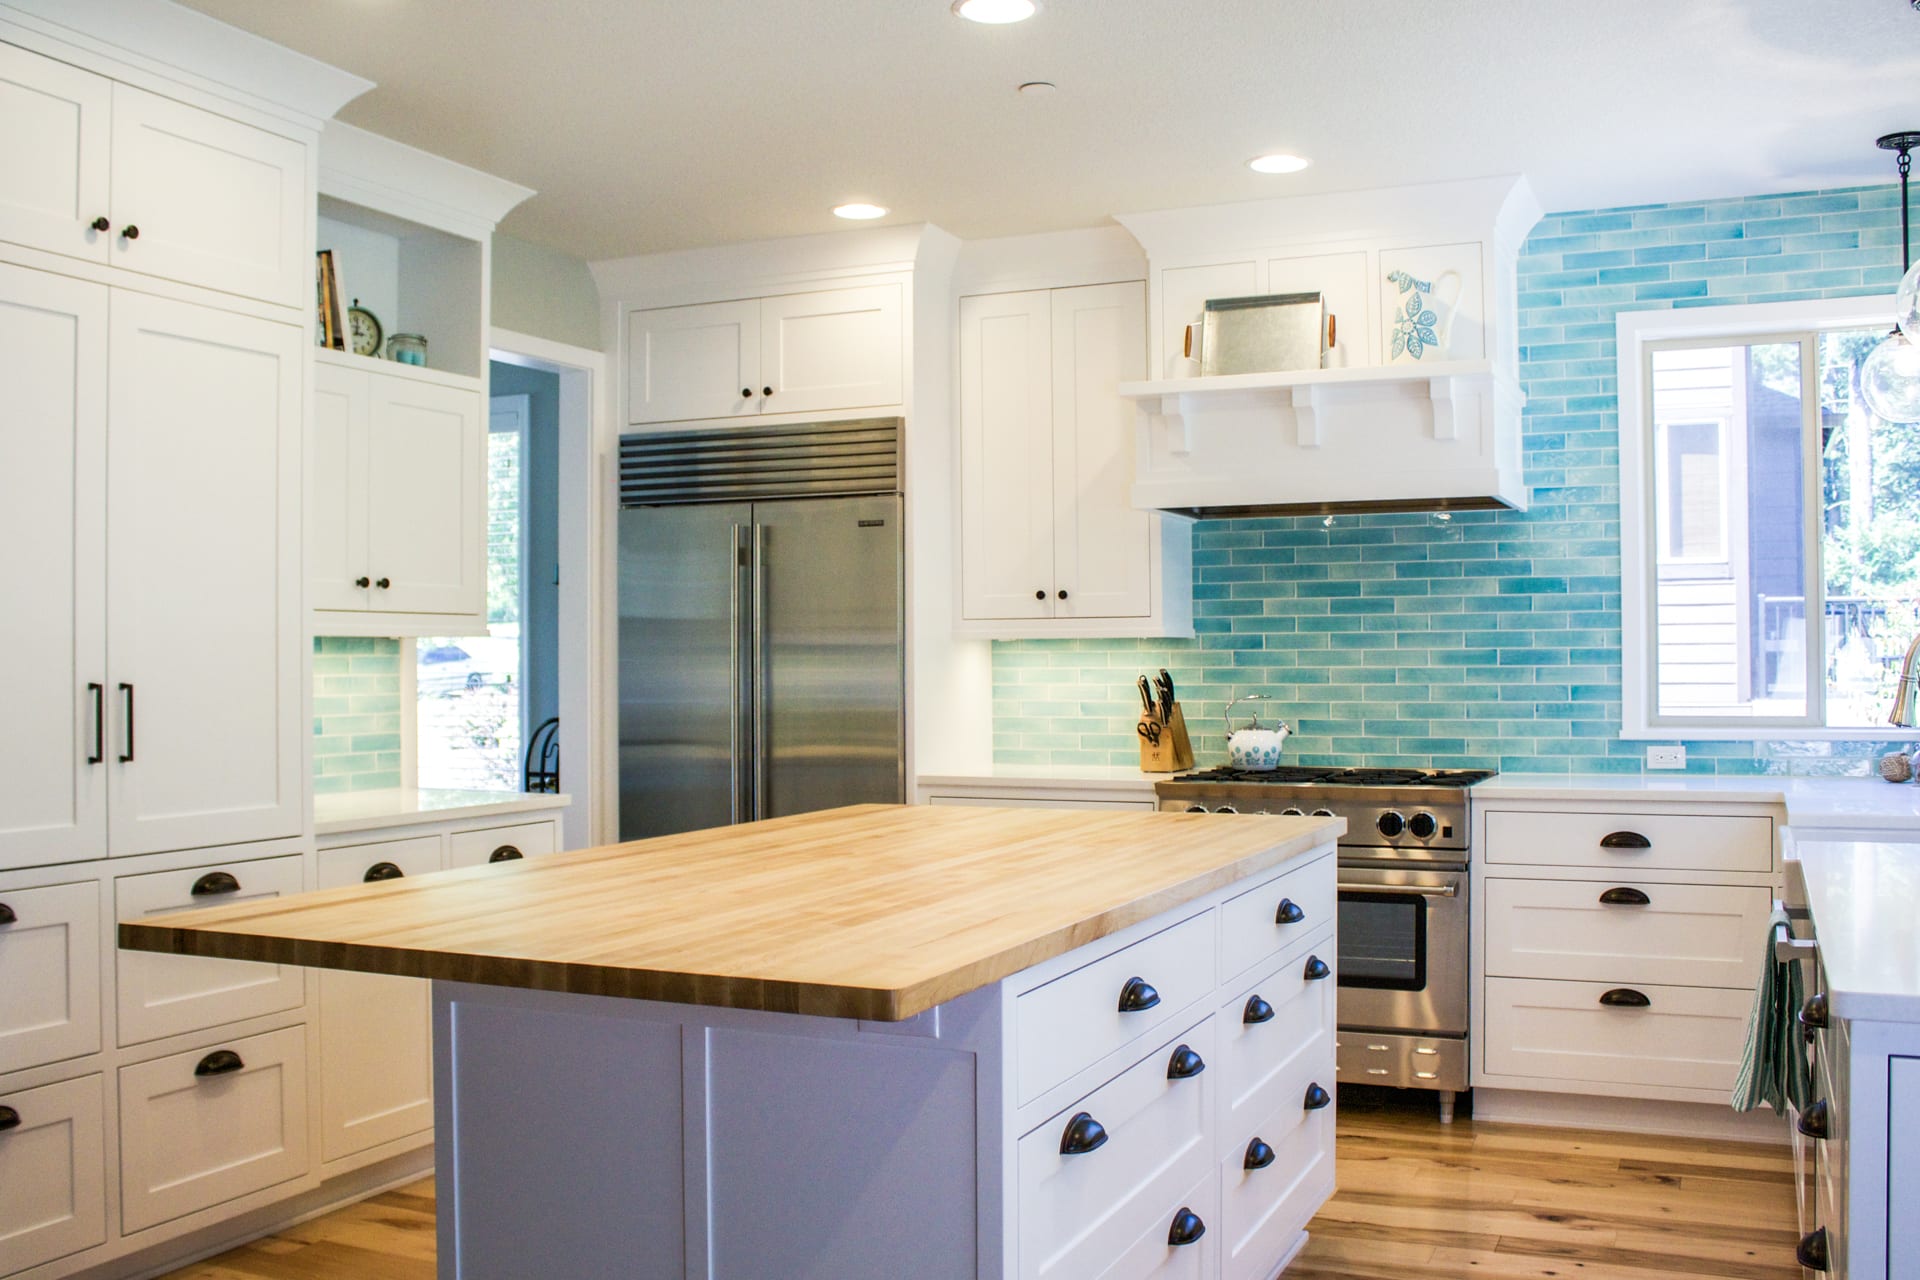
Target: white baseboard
x=1627 y=1115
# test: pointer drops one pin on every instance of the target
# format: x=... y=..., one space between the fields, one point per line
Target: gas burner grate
x=1285 y=773
x=1297 y=774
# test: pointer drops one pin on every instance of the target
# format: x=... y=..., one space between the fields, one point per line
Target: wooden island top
x=871 y=911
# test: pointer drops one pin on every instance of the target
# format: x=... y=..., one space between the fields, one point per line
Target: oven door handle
x=1403 y=890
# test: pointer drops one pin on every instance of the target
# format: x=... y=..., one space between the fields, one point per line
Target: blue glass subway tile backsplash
x=356 y=713
x=1491 y=639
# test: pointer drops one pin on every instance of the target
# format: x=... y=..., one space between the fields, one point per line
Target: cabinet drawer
x=357 y=863
x=1152 y=1255
x=53 y=1170
x=50 y=950
x=189 y=1141
x=1266 y=1066
x=1682 y=935
x=1262 y=1211
x=1686 y=1037
x=1252 y=927
x=1078 y=1213
x=164 y=995
x=1663 y=841
x=1075 y=1020
x=501 y=844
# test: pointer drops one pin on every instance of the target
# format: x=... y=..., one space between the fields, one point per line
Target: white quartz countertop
x=1865 y=898
x=1855 y=805
x=406 y=806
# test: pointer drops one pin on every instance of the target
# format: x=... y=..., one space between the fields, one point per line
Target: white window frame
x=1637 y=333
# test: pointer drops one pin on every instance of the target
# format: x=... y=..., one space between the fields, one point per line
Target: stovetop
x=1312 y=775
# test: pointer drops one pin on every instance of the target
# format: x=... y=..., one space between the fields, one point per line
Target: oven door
x=1403 y=949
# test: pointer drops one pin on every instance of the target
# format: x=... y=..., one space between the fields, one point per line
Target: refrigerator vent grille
x=744 y=464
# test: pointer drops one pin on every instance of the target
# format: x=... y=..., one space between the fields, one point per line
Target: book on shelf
x=332 y=327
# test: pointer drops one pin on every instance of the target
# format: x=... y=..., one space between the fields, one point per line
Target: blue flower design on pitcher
x=1413 y=322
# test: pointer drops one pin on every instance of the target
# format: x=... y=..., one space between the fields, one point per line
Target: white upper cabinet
x=203 y=727
x=53 y=362
x=103 y=171
x=398 y=485
x=1050 y=544
x=53 y=154
x=824 y=351
x=214 y=202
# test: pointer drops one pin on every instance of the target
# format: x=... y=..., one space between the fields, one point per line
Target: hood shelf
x=1403 y=437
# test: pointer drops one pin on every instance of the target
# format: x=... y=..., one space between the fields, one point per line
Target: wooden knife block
x=1175 y=751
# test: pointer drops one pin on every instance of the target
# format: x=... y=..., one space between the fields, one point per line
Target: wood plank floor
x=1416 y=1200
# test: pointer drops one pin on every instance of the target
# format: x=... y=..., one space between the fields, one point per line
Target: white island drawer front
x=501 y=844
x=52 y=1171
x=1681 y=935
x=1277 y=1036
x=208 y=1125
x=1077 y=1019
x=1153 y=1255
x=1630 y=841
x=164 y=995
x=1079 y=1210
x=1277 y=914
x=50 y=948
x=1682 y=1037
x=1267 y=1195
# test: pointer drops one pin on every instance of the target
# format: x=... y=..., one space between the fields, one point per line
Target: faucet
x=1906 y=694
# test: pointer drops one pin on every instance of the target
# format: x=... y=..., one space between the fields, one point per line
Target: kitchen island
x=871 y=1042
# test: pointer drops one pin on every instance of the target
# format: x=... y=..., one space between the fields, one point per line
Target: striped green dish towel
x=1773 y=1065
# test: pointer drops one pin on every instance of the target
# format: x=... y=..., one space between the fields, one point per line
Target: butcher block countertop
x=872 y=911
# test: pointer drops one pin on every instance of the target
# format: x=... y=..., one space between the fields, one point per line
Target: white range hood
x=1378 y=429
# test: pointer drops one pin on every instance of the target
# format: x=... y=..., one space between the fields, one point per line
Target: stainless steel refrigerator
x=761 y=659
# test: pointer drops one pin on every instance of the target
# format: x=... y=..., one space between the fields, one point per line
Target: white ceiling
x=661 y=124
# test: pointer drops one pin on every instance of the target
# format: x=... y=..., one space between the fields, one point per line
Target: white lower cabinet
x=1265 y=1202
x=1617 y=944
x=376 y=1032
x=50 y=948
x=164 y=995
x=502 y=844
x=212 y=1124
x=1153 y=1255
x=52 y=1166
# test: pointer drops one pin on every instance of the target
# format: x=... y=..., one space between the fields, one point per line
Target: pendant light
x=1890 y=378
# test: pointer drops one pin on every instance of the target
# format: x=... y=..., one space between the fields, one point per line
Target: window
x=469 y=690
x=1754 y=481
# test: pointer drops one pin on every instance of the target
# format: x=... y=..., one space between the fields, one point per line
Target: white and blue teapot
x=1253 y=747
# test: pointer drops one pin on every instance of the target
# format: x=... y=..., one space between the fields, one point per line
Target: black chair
x=541 y=773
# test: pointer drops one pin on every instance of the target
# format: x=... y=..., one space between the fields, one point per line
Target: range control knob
x=1293 y=811
x=1196 y=808
x=1225 y=808
x=1423 y=825
x=1391 y=824
x=1323 y=813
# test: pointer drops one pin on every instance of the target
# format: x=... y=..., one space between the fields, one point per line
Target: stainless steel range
x=1403 y=940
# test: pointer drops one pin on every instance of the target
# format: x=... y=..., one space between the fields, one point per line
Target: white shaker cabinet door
x=426 y=505
x=694 y=362
x=206 y=200
x=53 y=1167
x=53 y=785
x=337 y=490
x=1006 y=456
x=835 y=349
x=1103 y=548
x=54 y=126
x=203 y=563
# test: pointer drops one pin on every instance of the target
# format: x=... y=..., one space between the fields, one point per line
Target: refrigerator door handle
x=759 y=674
x=739 y=806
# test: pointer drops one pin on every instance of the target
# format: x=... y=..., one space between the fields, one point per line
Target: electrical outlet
x=1666 y=757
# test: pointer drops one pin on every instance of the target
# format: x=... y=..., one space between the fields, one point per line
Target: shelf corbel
x=1307 y=431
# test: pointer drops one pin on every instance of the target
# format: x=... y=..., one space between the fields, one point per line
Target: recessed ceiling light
x=996 y=12
x=1279 y=162
x=859 y=212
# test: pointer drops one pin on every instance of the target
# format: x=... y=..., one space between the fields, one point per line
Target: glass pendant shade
x=1906 y=304
x=1890 y=379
